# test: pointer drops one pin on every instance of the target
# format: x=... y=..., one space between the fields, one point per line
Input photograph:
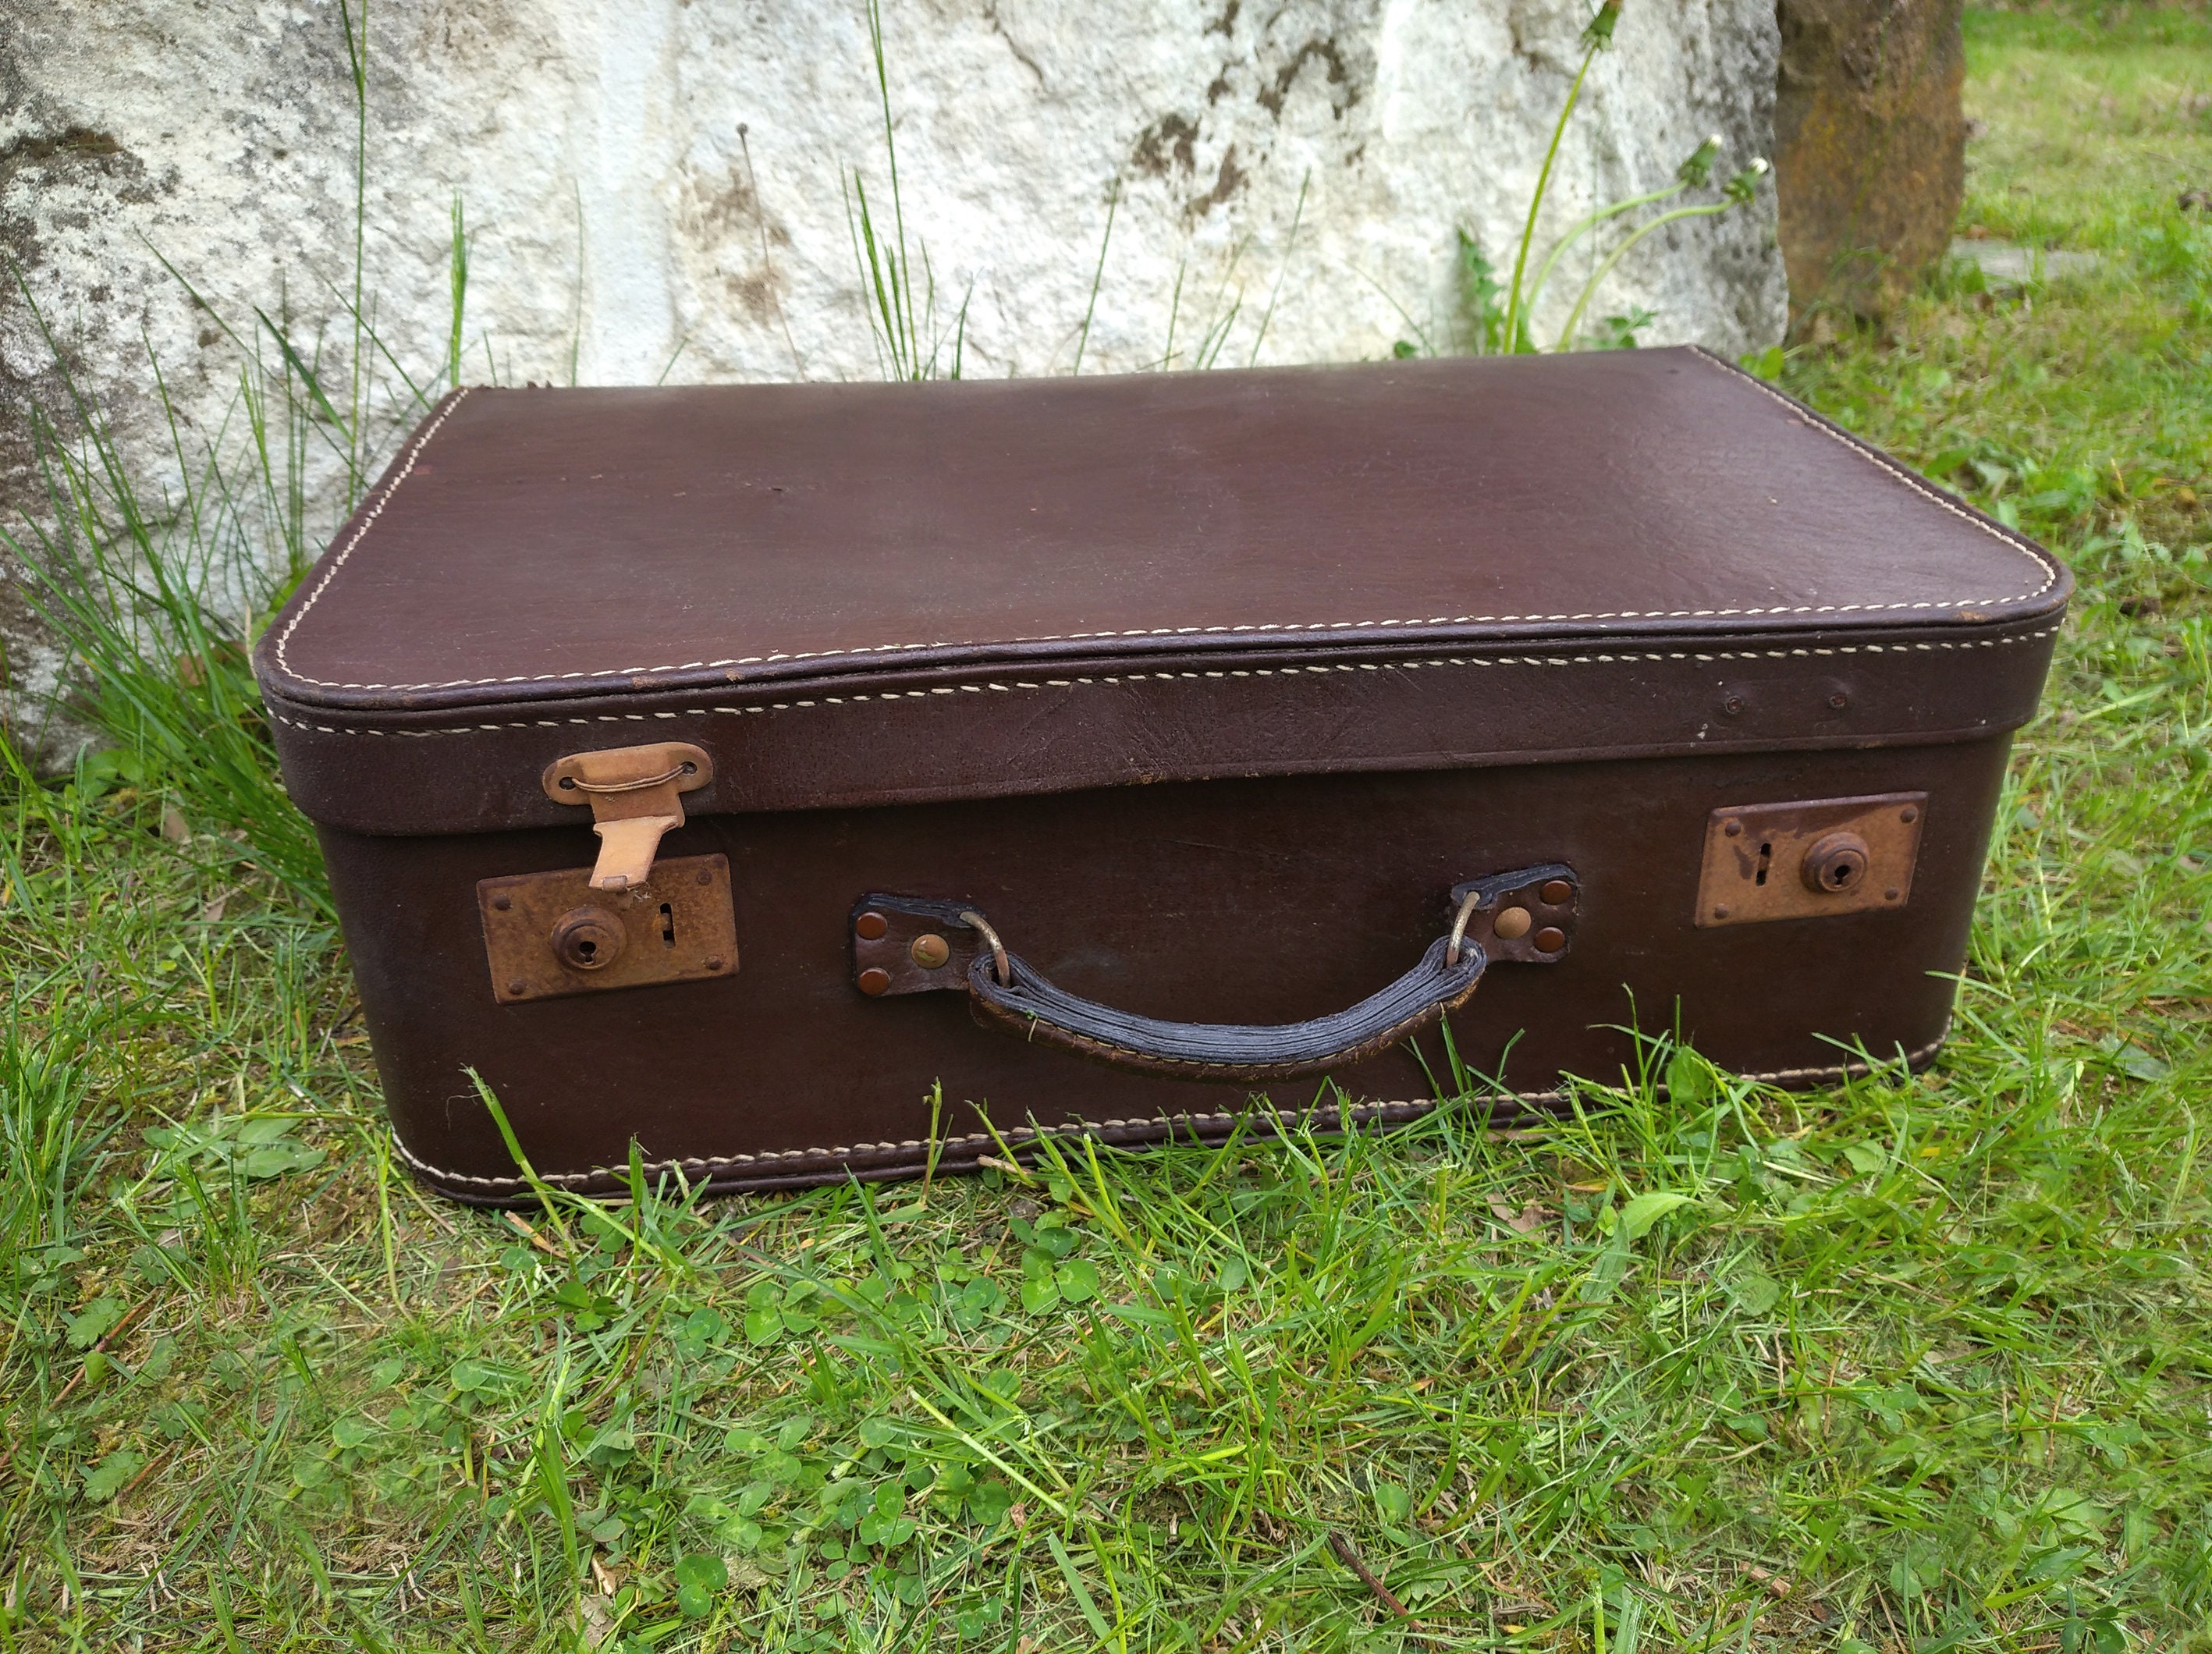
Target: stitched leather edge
x=1874 y=456
x=1619 y=659
x=695 y=1170
x=410 y=454
x=2048 y=566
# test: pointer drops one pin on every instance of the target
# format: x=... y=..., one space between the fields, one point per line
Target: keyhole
x=588 y=939
x=667 y=926
x=1766 y=860
x=1835 y=863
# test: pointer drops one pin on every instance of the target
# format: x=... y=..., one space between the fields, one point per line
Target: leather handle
x=923 y=944
x=1031 y=1008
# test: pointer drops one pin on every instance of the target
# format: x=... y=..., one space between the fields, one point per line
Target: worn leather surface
x=1040 y=1012
x=1206 y=688
x=1278 y=714
x=1266 y=900
x=854 y=595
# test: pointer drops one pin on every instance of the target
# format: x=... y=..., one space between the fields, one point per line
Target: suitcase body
x=807 y=782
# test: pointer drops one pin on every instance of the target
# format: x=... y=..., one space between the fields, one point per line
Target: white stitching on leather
x=2048 y=568
x=1146 y=677
x=1883 y=462
x=414 y=452
x=1358 y=1114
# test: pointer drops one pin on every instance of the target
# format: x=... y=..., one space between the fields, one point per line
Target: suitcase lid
x=881 y=593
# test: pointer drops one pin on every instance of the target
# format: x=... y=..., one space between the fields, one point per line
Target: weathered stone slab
x=658 y=189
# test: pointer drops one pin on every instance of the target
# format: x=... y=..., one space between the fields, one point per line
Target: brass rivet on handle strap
x=1522 y=918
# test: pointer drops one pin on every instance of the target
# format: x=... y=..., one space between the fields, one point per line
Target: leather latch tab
x=633 y=792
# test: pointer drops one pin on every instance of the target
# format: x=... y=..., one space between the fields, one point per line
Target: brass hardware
x=908 y=944
x=1460 y=919
x=634 y=794
x=900 y=946
x=1836 y=862
x=1809 y=858
x=551 y=933
x=1518 y=918
x=976 y=923
x=587 y=939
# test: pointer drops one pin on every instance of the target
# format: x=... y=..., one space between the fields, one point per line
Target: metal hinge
x=633 y=792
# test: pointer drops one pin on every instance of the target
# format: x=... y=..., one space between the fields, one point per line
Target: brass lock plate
x=1809 y=859
x=551 y=935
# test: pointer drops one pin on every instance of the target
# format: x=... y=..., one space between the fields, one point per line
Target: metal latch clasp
x=634 y=794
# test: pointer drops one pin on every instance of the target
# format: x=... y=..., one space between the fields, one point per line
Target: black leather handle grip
x=923 y=944
x=1031 y=1008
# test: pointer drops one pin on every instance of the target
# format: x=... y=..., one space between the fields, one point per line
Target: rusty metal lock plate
x=549 y=934
x=1809 y=859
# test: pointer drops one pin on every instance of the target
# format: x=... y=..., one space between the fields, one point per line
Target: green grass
x=1919 y=1364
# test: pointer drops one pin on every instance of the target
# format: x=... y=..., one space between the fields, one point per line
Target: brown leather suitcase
x=808 y=780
